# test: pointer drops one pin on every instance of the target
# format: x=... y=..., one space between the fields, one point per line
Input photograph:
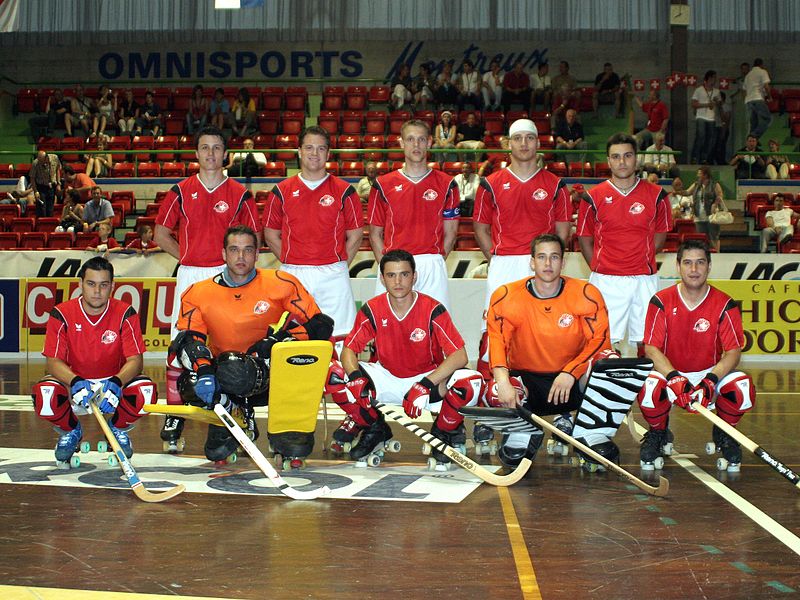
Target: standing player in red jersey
x=622 y=225
x=421 y=362
x=203 y=207
x=693 y=314
x=313 y=223
x=416 y=209
x=92 y=340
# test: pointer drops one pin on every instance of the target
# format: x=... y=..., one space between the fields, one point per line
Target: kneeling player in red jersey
x=693 y=334
x=93 y=340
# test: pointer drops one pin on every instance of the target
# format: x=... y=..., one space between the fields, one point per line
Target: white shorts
x=627 y=298
x=187 y=275
x=502 y=270
x=330 y=287
x=431 y=278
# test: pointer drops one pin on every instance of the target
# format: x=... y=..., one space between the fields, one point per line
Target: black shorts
x=539 y=385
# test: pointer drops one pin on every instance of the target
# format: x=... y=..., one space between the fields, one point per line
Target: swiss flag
x=691 y=79
x=655 y=84
x=725 y=83
x=638 y=85
x=671 y=82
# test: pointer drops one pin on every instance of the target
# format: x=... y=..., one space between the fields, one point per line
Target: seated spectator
x=219 y=109
x=542 y=87
x=106 y=107
x=707 y=199
x=198 y=111
x=144 y=244
x=517 y=88
x=423 y=86
x=364 y=185
x=467 y=182
x=779 y=224
x=82 y=109
x=657 y=118
x=80 y=182
x=566 y=94
x=401 y=85
x=569 y=136
x=469 y=136
x=149 y=116
x=496 y=160
x=104 y=243
x=59 y=112
x=71 y=214
x=446 y=93
x=99 y=165
x=492 y=86
x=243 y=114
x=22 y=195
x=749 y=166
x=468 y=84
x=45 y=176
x=247 y=163
x=97 y=211
x=444 y=136
x=607 y=89
x=680 y=200
x=777 y=164
x=127 y=113
x=661 y=164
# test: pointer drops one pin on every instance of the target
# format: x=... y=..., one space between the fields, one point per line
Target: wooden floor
x=559 y=533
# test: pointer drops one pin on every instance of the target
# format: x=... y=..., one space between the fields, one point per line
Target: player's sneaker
x=68 y=442
x=123 y=439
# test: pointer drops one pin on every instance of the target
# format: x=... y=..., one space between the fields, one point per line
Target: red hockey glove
x=703 y=392
x=678 y=383
x=359 y=388
x=418 y=397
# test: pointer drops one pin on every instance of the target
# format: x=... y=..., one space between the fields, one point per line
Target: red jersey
x=623 y=226
x=137 y=244
x=417 y=343
x=94 y=346
x=520 y=210
x=657 y=112
x=204 y=215
x=313 y=222
x=708 y=329
x=413 y=213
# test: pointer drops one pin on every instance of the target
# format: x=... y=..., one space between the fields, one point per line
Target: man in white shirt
x=661 y=164
x=467 y=182
x=705 y=101
x=492 y=87
x=364 y=186
x=246 y=163
x=757 y=92
x=779 y=224
x=469 y=86
x=542 y=87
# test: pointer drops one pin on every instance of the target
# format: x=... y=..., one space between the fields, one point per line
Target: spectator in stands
x=144 y=244
x=106 y=107
x=680 y=200
x=496 y=160
x=517 y=88
x=219 y=109
x=737 y=87
x=401 y=87
x=569 y=136
x=149 y=116
x=705 y=102
x=707 y=199
x=722 y=128
x=468 y=84
x=82 y=109
x=71 y=214
x=98 y=210
x=243 y=113
x=566 y=94
x=423 y=86
x=749 y=166
x=446 y=93
x=657 y=118
x=777 y=164
x=104 y=243
x=246 y=163
x=756 y=95
x=607 y=89
x=99 y=165
x=80 y=182
x=127 y=113
x=22 y=195
x=779 y=223
x=492 y=86
x=59 y=112
x=364 y=186
x=663 y=164
x=445 y=135
x=198 y=111
x=542 y=87
x=469 y=136
x=467 y=182
x=45 y=176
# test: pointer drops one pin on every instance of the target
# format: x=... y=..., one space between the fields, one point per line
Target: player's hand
x=359 y=388
x=112 y=392
x=81 y=391
x=506 y=395
x=560 y=389
x=703 y=392
x=206 y=388
x=417 y=397
x=678 y=384
x=263 y=348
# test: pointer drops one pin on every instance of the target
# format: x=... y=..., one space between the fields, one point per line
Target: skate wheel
x=734 y=467
x=478 y=449
x=426 y=449
x=590 y=467
x=393 y=446
x=297 y=463
x=659 y=462
x=722 y=464
x=575 y=461
x=711 y=448
x=431 y=464
x=232 y=458
x=563 y=449
x=62 y=465
x=286 y=464
x=75 y=461
x=442 y=466
x=647 y=466
x=668 y=449
x=551 y=447
x=492 y=448
x=112 y=460
x=373 y=460
x=85 y=447
x=360 y=464
x=102 y=446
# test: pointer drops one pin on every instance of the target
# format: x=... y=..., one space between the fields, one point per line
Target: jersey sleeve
x=562 y=204
x=191 y=317
x=663 y=213
x=363 y=331
x=731 y=334
x=353 y=213
x=300 y=305
x=655 y=324
x=169 y=212
x=452 y=201
x=248 y=213
x=376 y=207
x=595 y=328
x=131 y=330
x=484 y=204
x=56 y=343
x=586 y=219
x=445 y=331
x=273 y=212
x=499 y=330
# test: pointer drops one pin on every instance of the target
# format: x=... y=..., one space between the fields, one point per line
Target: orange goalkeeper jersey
x=549 y=335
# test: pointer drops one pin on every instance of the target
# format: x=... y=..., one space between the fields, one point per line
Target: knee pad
x=736 y=394
x=465 y=388
x=139 y=391
x=490 y=397
x=653 y=392
x=335 y=381
x=51 y=403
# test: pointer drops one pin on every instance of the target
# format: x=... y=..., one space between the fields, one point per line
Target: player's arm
x=450 y=234
x=658 y=240
x=376 y=241
x=727 y=363
x=60 y=370
x=163 y=237
x=349 y=360
x=133 y=366
x=352 y=243
x=587 y=247
x=660 y=361
x=483 y=235
x=563 y=229
x=272 y=237
x=453 y=362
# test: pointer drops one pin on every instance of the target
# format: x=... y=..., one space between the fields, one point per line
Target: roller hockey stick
x=453 y=454
x=127 y=468
x=262 y=462
x=749 y=444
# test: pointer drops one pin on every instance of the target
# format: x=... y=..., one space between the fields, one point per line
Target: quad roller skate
x=457 y=439
x=373 y=444
x=607 y=449
x=483 y=436
x=513 y=448
x=221 y=447
x=344 y=435
x=656 y=444
x=555 y=445
x=731 y=459
x=291 y=448
x=67 y=446
x=171 y=434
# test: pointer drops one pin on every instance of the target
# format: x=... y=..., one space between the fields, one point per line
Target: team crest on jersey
x=384 y=322
x=296 y=194
x=194 y=195
x=398 y=188
x=430 y=195
x=108 y=337
x=565 y=320
x=636 y=208
x=506 y=186
x=326 y=200
x=261 y=307
x=78 y=327
x=701 y=326
x=417 y=335
x=609 y=199
x=540 y=194
x=221 y=206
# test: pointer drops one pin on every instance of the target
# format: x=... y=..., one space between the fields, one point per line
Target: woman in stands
x=444 y=136
x=106 y=107
x=198 y=111
x=99 y=165
x=707 y=195
x=127 y=113
x=243 y=114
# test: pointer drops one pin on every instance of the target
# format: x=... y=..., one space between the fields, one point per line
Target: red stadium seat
x=396 y=120
x=286 y=146
x=21 y=224
x=125 y=198
x=84 y=240
x=143 y=142
x=293 y=123
x=174 y=122
x=181 y=98
x=272 y=98
x=123 y=169
x=192 y=168
x=452 y=168
x=173 y=169
x=33 y=240
x=151 y=210
x=601 y=169
x=382 y=167
x=352 y=169
x=72 y=143
x=374 y=141
x=296 y=98
x=166 y=142
x=149 y=169
x=119 y=142
x=557 y=168
x=274 y=169
x=379 y=94
x=59 y=240
x=332 y=97
x=46 y=224
x=356 y=97
x=27 y=100
x=6 y=171
x=580 y=169
x=8 y=212
x=348 y=141
x=268 y=121
x=375 y=122
x=329 y=121
x=393 y=141
x=49 y=144
x=332 y=168
x=9 y=240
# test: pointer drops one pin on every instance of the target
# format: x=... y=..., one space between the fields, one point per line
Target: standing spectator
x=198 y=111
x=492 y=86
x=779 y=223
x=127 y=113
x=749 y=166
x=99 y=165
x=737 y=87
x=149 y=116
x=313 y=223
x=98 y=211
x=663 y=163
x=470 y=136
x=82 y=109
x=777 y=164
x=59 y=111
x=620 y=229
x=566 y=94
x=707 y=199
x=607 y=89
x=705 y=101
x=569 y=136
x=45 y=175
x=243 y=113
x=469 y=86
x=106 y=107
x=80 y=182
x=219 y=109
x=757 y=94
x=722 y=128
x=401 y=85
x=364 y=186
x=517 y=88
x=657 y=118
x=423 y=86
x=445 y=135
x=144 y=244
x=446 y=93
x=467 y=183
x=542 y=87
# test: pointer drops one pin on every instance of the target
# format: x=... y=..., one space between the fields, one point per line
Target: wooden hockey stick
x=453 y=454
x=261 y=461
x=127 y=468
x=749 y=444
